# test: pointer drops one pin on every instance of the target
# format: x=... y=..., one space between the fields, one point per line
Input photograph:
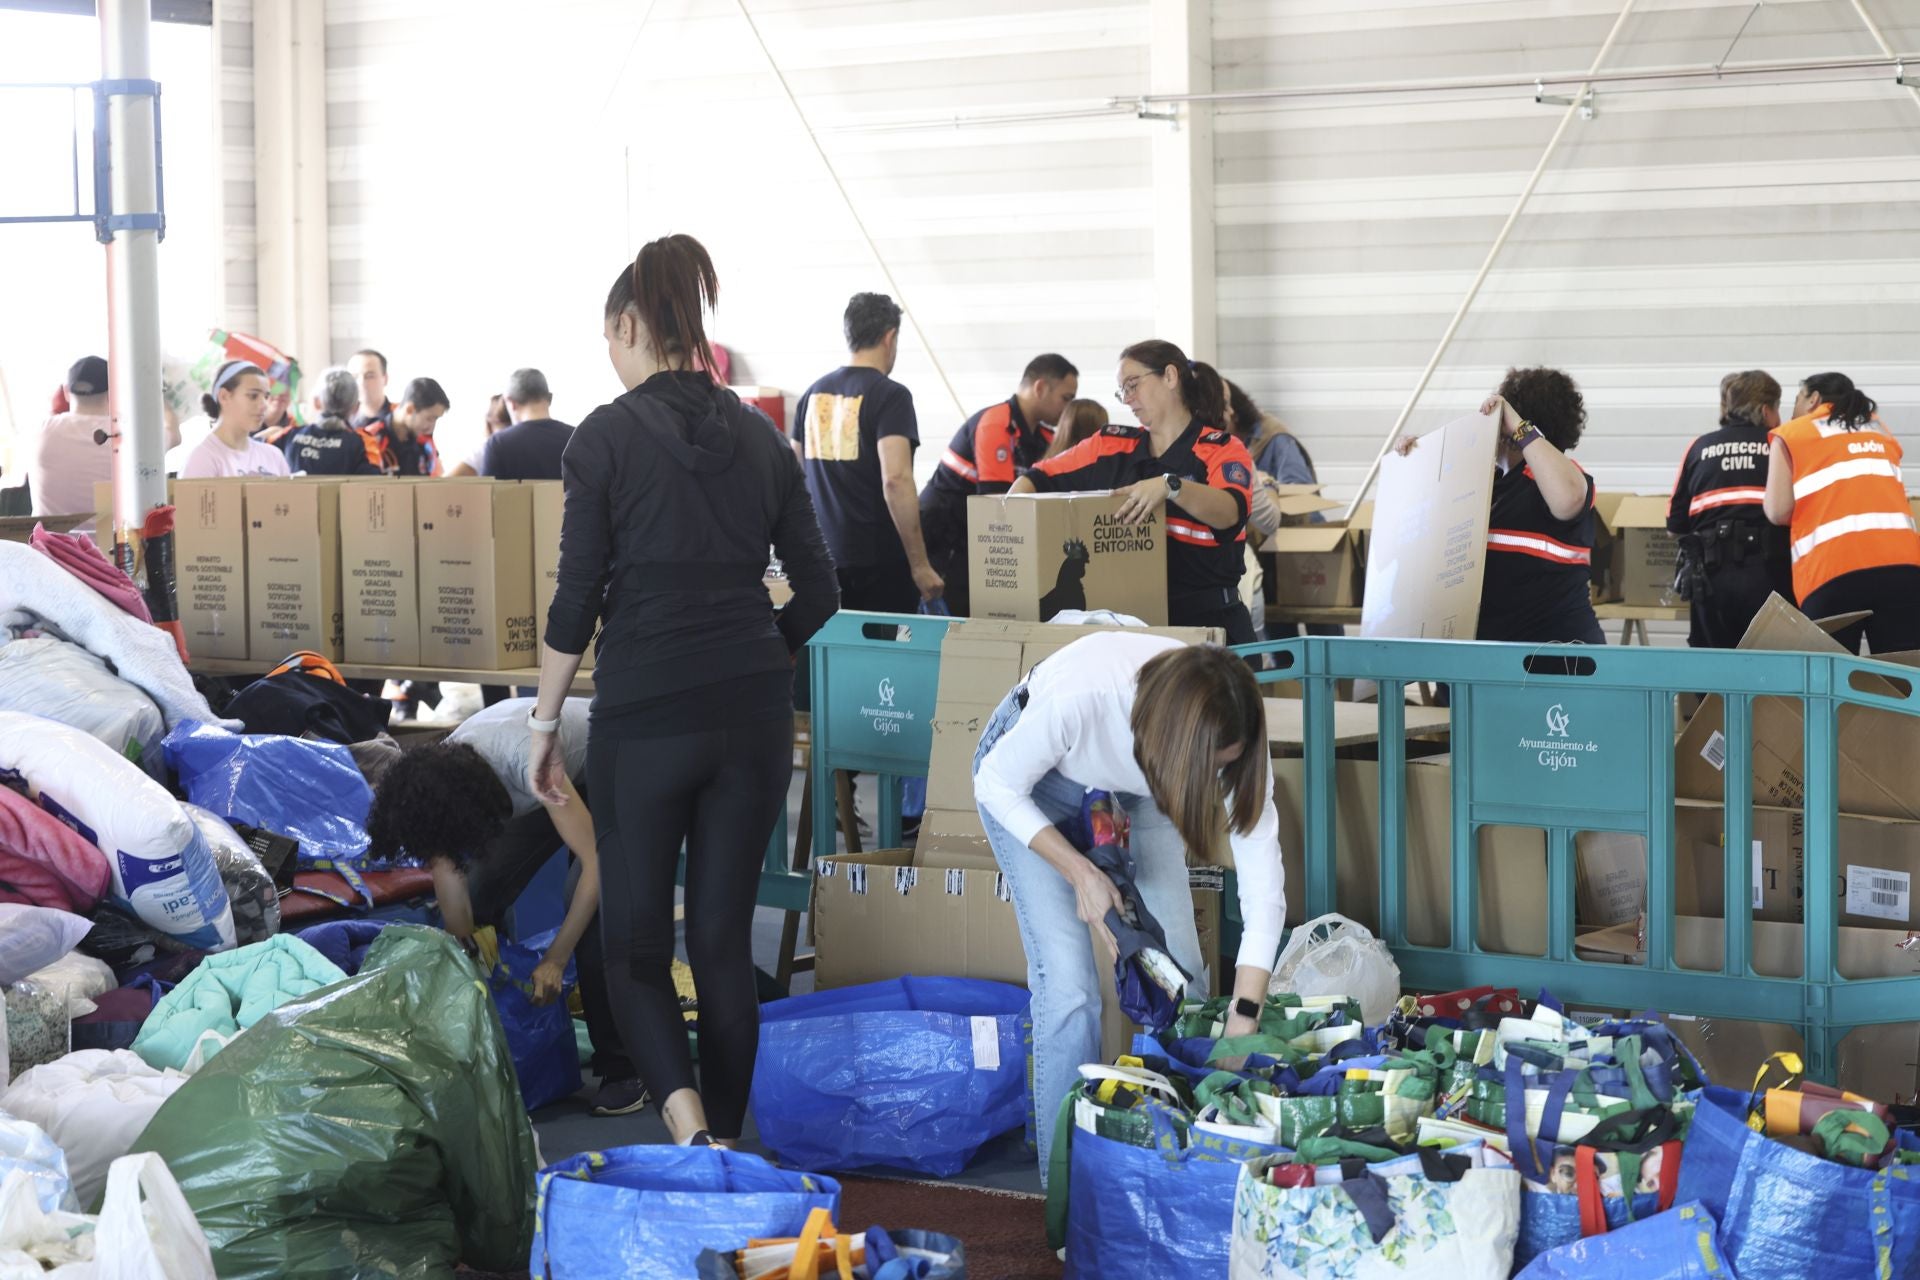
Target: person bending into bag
x=1178 y=733
x=465 y=808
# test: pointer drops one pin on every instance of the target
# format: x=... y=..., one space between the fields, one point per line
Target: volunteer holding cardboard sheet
x=1178 y=733
x=1833 y=477
x=673 y=494
x=1180 y=459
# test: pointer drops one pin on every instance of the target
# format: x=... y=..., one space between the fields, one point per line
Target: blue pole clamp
x=105 y=221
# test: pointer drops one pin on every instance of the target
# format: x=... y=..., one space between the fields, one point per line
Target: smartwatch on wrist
x=1246 y=1008
x=1173 y=485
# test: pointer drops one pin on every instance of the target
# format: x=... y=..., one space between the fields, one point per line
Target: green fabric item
x=582 y=1042
x=1835 y=1133
x=229 y=992
x=372 y=1129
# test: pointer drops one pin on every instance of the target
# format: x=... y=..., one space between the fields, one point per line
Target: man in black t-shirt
x=530 y=449
x=855 y=433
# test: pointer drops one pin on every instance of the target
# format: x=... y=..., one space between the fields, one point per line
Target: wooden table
x=1354 y=723
x=525 y=677
x=1635 y=617
x=1310 y=616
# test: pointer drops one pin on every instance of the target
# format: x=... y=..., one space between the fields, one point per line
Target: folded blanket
x=78 y=556
x=228 y=993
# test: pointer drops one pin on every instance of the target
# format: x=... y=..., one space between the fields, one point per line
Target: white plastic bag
x=162 y=871
x=65 y=683
x=94 y=1105
x=81 y=976
x=31 y=938
x=1335 y=956
x=33 y=1237
x=26 y=1149
x=157 y=1238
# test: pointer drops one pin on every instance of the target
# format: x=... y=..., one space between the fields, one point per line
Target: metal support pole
x=133 y=270
x=1879 y=38
x=1499 y=243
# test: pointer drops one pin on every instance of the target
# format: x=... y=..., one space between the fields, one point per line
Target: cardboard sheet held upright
x=1427 y=552
x=1029 y=556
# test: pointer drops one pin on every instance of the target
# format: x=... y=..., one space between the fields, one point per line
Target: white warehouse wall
x=492 y=164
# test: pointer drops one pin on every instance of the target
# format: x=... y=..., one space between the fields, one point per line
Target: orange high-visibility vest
x=1849 y=504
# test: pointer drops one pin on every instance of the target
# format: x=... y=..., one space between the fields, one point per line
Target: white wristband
x=538 y=725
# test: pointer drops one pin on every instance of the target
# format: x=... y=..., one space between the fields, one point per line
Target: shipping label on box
x=476 y=575
x=210 y=565
x=1313 y=566
x=1029 y=556
x=549 y=511
x=293 y=568
x=380 y=573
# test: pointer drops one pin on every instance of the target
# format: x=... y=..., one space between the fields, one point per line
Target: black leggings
x=1891 y=591
x=718 y=794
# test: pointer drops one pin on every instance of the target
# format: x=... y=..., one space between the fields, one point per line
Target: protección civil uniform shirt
x=1535 y=589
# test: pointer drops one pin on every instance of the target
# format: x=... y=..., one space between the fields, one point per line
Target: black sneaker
x=619 y=1098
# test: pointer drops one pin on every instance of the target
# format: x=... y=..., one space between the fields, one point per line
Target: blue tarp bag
x=1676 y=1245
x=915 y=1074
x=299 y=787
x=1785 y=1214
x=540 y=1036
x=652 y=1211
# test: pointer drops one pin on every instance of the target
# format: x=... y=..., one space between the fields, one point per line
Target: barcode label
x=857 y=879
x=1878 y=892
x=986 y=1044
x=826 y=870
x=956 y=881
x=1001 y=889
x=1759 y=878
x=1715 y=752
x=904 y=878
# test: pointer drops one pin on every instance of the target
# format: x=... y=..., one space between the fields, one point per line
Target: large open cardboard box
x=1879 y=865
x=1312 y=566
x=1638 y=552
x=1029 y=556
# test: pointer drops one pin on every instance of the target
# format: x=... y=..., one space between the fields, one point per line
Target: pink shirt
x=211 y=460
x=62 y=462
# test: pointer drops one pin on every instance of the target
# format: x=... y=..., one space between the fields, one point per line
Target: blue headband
x=233 y=369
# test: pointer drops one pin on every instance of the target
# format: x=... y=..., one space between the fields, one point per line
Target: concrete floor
x=568 y=1128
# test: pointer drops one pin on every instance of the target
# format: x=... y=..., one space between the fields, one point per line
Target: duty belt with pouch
x=1721 y=545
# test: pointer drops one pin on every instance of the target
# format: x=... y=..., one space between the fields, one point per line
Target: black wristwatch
x=1173 y=484
x=1246 y=1008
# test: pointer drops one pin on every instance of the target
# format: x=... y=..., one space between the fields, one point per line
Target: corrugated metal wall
x=1679 y=235
x=233 y=136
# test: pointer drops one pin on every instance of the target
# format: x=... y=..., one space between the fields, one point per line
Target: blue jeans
x=1063 y=972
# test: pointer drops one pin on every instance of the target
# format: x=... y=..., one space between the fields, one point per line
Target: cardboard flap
x=1781 y=628
x=1606 y=506
x=1309 y=538
x=1640 y=511
x=1285 y=490
x=1362 y=518
x=1297 y=505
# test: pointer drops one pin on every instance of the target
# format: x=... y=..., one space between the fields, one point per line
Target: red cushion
x=387 y=887
x=46 y=863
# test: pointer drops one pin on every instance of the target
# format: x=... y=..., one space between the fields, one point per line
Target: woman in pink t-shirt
x=237 y=406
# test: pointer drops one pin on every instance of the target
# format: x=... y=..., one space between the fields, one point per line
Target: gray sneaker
x=619 y=1098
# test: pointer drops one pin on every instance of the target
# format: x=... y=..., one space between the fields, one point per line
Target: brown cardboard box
x=1881 y=1062
x=1313 y=565
x=476 y=575
x=380 y=573
x=293 y=568
x=1362 y=526
x=1879 y=750
x=549 y=507
x=1300 y=503
x=1642 y=553
x=1428 y=550
x=210 y=564
x=1879 y=865
x=1031 y=555
x=1603 y=573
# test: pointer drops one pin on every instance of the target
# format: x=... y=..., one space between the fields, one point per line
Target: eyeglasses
x=1126 y=388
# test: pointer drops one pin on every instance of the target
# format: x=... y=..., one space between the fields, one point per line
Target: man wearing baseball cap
x=61 y=460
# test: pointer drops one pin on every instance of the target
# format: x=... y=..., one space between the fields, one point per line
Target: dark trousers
x=943 y=523
x=879 y=588
x=1216 y=607
x=1891 y=591
x=498 y=878
x=1720 y=616
x=717 y=794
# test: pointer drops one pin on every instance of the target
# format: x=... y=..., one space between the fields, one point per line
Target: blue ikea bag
x=1676 y=1245
x=652 y=1211
x=299 y=787
x=540 y=1037
x=1785 y=1214
x=915 y=1074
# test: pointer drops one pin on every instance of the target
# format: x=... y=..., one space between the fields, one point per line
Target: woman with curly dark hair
x=1540 y=535
x=465 y=807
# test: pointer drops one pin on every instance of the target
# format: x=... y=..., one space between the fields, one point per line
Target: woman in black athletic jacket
x=674 y=492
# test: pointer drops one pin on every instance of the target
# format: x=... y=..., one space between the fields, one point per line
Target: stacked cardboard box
x=476 y=574
x=210 y=560
x=1311 y=563
x=1030 y=556
x=1633 y=555
x=380 y=572
x=293 y=569
x=549 y=510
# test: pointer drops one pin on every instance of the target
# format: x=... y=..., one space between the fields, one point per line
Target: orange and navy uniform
x=1850 y=507
x=1722 y=476
x=1204 y=564
x=1535 y=589
x=396 y=457
x=988 y=453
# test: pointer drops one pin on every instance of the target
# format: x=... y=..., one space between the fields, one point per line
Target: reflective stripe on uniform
x=1851 y=469
x=1533 y=544
x=1864 y=522
x=1724 y=498
x=1192 y=533
x=954 y=462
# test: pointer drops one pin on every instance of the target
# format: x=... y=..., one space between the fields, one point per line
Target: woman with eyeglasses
x=1178 y=459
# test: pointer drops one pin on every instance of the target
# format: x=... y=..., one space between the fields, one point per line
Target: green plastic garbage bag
x=373 y=1127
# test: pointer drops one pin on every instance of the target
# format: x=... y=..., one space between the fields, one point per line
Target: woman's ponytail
x=1851 y=406
x=670 y=283
x=1201 y=388
x=210 y=406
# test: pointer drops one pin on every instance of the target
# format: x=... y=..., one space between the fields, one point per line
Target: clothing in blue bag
x=652 y=1211
x=299 y=787
x=915 y=1074
x=345 y=942
x=1787 y=1215
x=891 y=1255
x=540 y=1036
x=1676 y=1245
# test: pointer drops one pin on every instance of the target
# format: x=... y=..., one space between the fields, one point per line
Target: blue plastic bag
x=345 y=942
x=651 y=1211
x=1164 y=1213
x=915 y=1074
x=1787 y=1215
x=1550 y=1220
x=1676 y=1245
x=310 y=790
x=540 y=1036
